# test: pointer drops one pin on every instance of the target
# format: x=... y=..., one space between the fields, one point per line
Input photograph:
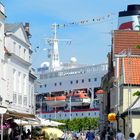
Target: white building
x=2 y=18
x=17 y=80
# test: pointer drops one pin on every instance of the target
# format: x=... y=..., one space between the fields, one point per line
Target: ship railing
x=100 y=68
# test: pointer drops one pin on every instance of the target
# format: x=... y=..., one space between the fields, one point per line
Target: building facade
x=17 y=78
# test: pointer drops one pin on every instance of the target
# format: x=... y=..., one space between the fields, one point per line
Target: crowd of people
x=12 y=131
x=84 y=135
x=90 y=135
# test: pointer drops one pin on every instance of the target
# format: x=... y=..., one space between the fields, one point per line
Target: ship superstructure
x=67 y=90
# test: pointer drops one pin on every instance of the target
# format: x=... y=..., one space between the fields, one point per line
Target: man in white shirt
x=120 y=135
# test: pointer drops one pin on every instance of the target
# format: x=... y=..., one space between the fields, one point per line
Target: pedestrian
x=103 y=133
x=111 y=135
x=82 y=136
x=90 y=135
x=131 y=136
x=138 y=136
x=69 y=136
x=107 y=136
x=97 y=137
x=120 y=135
x=28 y=134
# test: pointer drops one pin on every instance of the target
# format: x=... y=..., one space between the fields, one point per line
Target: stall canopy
x=17 y=115
x=44 y=122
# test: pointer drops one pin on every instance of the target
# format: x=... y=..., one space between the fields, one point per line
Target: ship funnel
x=130 y=19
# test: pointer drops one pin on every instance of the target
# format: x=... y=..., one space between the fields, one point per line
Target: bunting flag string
x=87 y=21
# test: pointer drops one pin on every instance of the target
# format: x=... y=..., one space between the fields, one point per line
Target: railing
x=72 y=71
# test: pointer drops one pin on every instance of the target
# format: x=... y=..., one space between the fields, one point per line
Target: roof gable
x=18 y=30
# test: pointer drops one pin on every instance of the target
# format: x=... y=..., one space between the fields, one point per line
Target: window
x=19 y=81
x=40 y=86
x=82 y=80
x=14 y=98
x=24 y=54
x=76 y=114
x=71 y=82
x=45 y=85
x=88 y=114
x=55 y=84
x=20 y=99
x=25 y=100
x=14 y=79
x=76 y=81
x=14 y=47
x=3 y=69
x=19 y=50
x=82 y=114
x=60 y=83
x=95 y=79
x=24 y=84
x=89 y=80
x=65 y=115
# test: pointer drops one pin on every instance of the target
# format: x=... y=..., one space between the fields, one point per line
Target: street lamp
x=70 y=106
x=55 y=108
x=2 y=111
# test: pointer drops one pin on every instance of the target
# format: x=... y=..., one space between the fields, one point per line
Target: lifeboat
x=57 y=101
x=79 y=98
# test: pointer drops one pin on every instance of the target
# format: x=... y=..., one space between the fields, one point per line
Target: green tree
x=137 y=93
x=79 y=124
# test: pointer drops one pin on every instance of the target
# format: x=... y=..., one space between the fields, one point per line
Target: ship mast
x=54 y=52
x=54 y=60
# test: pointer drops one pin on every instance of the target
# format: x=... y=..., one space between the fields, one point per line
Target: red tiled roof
x=132 y=70
x=126 y=39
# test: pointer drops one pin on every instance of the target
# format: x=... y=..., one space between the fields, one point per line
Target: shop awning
x=19 y=115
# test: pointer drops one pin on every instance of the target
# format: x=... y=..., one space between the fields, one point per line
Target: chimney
x=27 y=30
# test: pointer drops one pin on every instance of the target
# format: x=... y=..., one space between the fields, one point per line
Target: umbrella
x=52 y=132
x=25 y=122
x=44 y=122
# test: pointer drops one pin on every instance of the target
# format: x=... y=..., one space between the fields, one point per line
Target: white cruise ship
x=67 y=91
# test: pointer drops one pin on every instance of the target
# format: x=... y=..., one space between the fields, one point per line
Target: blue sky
x=90 y=43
